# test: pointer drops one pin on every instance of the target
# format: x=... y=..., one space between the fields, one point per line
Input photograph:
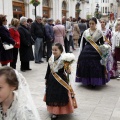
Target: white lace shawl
x=23 y=107
x=57 y=64
x=96 y=36
x=17 y=112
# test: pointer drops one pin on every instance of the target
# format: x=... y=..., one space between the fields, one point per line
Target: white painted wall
x=6 y=9
x=56 y=12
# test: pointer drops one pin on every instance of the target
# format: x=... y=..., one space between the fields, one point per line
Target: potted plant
x=78 y=10
x=35 y=2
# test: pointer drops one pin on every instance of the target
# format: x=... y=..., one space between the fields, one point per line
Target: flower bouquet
x=89 y=37
x=35 y=2
x=68 y=59
x=105 y=49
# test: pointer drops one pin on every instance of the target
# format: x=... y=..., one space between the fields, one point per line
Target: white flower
x=69 y=57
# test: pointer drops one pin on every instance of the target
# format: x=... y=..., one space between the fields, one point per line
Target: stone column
x=8 y=9
x=72 y=4
x=1 y=6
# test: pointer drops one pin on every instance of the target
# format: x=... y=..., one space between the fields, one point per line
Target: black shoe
x=54 y=117
x=41 y=61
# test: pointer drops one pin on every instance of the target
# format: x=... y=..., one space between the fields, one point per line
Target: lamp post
x=35 y=3
x=97 y=11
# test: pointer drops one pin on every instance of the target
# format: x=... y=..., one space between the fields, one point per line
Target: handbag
x=7 y=46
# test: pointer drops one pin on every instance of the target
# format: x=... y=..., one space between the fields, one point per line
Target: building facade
x=47 y=8
x=58 y=8
x=106 y=7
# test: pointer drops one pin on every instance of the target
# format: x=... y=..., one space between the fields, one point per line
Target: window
x=45 y=2
x=103 y=9
x=103 y=1
x=64 y=5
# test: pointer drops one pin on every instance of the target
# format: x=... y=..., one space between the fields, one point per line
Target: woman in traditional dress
x=15 y=99
x=89 y=69
x=57 y=98
x=111 y=63
x=106 y=32
x=116 y=44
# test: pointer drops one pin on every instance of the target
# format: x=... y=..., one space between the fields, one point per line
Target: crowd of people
x=51 y=39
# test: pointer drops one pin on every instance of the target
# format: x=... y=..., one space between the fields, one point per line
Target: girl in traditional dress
x=89 y=69
x=15 y=99
x=57 y=98
x=116 y=44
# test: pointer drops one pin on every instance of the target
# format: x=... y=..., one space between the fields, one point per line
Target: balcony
x=83 y=1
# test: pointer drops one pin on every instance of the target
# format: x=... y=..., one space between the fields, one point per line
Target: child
x=15 y=99
x=57 y=98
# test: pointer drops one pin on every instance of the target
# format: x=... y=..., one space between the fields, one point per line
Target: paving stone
x=101 y=103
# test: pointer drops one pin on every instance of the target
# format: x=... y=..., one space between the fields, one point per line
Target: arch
x=77 y=10
x=64 y=8
x=64 y=5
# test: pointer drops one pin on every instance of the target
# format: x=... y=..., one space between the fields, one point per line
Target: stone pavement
x=101 y=103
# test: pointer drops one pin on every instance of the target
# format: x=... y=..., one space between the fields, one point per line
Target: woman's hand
x=68 y=70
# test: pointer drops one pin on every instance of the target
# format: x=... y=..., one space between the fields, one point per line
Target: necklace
x=92 y=32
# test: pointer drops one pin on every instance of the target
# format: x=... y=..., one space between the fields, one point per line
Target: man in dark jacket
x=37 y=31
x=49 y=34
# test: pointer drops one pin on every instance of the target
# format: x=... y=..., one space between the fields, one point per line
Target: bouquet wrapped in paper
x=68 y=59
x=105 y=49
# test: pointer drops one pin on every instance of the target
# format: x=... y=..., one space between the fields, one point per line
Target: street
x=101 y=103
